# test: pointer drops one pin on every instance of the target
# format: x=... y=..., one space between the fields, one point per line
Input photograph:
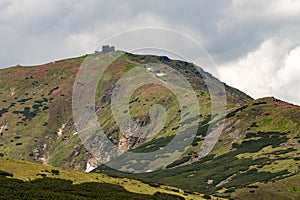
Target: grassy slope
x=260 y=144
x=35 y=103
x=281 y=189
x=30 y=171
x=260 y=141
x=38 y=102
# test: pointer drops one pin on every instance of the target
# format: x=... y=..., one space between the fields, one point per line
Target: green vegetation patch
x=153 y=145
x=52 y=90
x=27 y=113
x=263 y=139
x=54 y=188
x=2 y=111
x=233 y=113
x=243 y=171
x=259 y=103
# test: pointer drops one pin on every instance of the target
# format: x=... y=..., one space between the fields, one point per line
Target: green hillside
x=257 y=155
x=21 y=180
x=259 y=149
x=36 y=121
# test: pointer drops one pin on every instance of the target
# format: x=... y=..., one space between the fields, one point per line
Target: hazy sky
x=255 y=44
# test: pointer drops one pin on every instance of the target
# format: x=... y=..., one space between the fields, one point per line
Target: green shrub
x=3 y=173
x=50 y=188
x=52 y=90
x=153 y=145
x=206 y=196
x=233 y=113
x=54 y=171
x=4 y=110
x=259 y=103
x=179 y=162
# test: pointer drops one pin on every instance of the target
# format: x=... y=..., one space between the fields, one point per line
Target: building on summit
x=107 y=48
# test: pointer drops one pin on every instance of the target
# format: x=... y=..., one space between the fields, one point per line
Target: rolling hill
x=259 y=149
x=36 y=121
x=256 y=156
x=21 y=180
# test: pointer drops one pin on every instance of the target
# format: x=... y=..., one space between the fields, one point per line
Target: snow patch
x=89 y=167
x=160 y=74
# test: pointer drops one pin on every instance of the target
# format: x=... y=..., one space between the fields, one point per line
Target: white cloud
x=273 y=69
x=288 y=77
x=285 y=8
x=257 y=8
x=33 y=16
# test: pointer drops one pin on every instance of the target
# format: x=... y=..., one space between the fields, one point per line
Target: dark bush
x=51 y=91
x=3 y=173
x=153 y=145
x=206 y=196
x=4 y=110
x=50 y=188
x=259 y=103
x=233 y=113
x=179 y=162
x=252 y=186
x=54 y=171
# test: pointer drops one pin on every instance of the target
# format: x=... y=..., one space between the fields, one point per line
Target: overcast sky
x=255 y=44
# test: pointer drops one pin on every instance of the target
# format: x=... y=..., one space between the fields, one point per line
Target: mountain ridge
x=48 y=89
x=260 y=139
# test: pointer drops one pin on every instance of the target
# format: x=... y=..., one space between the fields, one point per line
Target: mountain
x=256 y=154
x=36 y=121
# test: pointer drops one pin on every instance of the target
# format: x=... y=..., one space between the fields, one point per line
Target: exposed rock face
x=124 y=143
x=12 y=91
x=132 y=136
x=2 y=128
x=40 y=154
x=60 y=130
